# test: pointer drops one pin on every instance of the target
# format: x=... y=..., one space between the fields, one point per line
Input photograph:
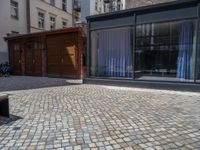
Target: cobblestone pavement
x=101 y=117
x=27 y=82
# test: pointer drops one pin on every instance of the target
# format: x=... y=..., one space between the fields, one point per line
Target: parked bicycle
x=5 y=69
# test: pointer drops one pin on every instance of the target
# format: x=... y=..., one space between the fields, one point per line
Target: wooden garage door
x=28 y=62
x=33 y=59
x=61 y=56
x=54 y=46
x=15 y=58
x=37 y=62
x=69 y=59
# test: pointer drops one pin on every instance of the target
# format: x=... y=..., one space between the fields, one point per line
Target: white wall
x=20 y=25
x=36 y=5
x=93 y=11
x=9 y=24
x=85 y=9
x=88 y=8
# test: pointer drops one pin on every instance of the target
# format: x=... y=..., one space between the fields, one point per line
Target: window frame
x=64 y=21
x=52 y=22
x=14 y=9
x=64 y=5
x=41 y=20
x=52 y=2
x=96 y=5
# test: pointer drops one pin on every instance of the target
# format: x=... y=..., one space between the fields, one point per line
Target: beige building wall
x=91 y=7
x=9 y=25
x=49 y=10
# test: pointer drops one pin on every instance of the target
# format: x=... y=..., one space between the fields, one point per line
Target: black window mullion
x=133 y=44
x=197 y=47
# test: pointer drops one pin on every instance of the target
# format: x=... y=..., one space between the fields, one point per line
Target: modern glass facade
x=162 y=50
x=112 y=53
x=166 y=51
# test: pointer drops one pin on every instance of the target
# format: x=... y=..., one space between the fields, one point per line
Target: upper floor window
x=96 y=5
x=64 y=23
x=52 y=23
x=14 y=9
x=64 y=5
x=52 y=2
x=40 y=20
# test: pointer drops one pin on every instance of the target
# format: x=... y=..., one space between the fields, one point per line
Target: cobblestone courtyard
x=101 y=117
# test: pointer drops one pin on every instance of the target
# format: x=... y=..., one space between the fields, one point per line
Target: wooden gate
x=33 y=59
x=56 y=53
x=15 y=58
x=61 y=55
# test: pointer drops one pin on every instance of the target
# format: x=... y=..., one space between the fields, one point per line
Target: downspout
x=28 y=16
x=73 y=23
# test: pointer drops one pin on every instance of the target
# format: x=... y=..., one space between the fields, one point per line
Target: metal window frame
x=135 y=13
x=197 y=46
x=167 y=15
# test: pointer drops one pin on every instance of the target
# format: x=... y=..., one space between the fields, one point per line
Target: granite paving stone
x=77 y=117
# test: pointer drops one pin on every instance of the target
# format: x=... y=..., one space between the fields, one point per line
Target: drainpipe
x=73 y=23
x=28 y=16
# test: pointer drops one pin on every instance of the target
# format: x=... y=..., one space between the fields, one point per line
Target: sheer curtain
x=114 y=58
x=185 y=56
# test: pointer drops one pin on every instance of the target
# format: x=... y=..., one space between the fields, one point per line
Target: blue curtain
x=184 y=64
x=114 y=58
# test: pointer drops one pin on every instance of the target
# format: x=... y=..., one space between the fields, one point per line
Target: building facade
x=88 y=8
x=155 y=43
x=28 y=16
x=95 y=7
x=12 y=21
x=114 y=5
x=76 y=11
x=49 y=14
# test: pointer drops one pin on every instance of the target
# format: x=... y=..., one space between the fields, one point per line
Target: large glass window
x=111 y=53
x=166 y=51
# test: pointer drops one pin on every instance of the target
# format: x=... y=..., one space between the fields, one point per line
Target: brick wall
x=139 y=3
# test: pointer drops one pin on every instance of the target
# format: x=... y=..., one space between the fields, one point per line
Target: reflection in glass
x=165 y=51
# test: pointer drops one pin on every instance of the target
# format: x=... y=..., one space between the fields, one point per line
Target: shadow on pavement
x=9 y=121
x=15 y=83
